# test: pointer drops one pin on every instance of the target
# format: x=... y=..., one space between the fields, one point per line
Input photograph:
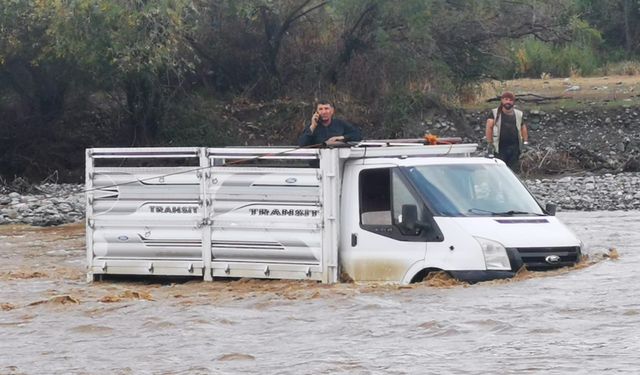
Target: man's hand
x=338 y=139
x=490 y=149
x=314 y=121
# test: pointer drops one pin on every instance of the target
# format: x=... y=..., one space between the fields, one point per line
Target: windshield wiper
x=514 y=212
x=474 y=210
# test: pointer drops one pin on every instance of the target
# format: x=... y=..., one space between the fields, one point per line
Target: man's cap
x=508 y=95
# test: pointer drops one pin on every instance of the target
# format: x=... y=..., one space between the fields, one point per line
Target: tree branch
x=293 y=17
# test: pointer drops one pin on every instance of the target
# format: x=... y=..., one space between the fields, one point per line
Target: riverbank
x=584 y=151
x=51 y=204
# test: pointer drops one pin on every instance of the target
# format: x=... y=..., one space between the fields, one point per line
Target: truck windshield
x=473 y=190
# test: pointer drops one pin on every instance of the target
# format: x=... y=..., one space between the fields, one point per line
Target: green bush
x=574 y=60
x=579 y=56
x=535 y=57
x=400 y=112
x=396 y=112
x=196 y=121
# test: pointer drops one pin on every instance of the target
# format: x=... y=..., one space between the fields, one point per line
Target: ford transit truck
x=375 y=211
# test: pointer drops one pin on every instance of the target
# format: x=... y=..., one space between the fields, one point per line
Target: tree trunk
x=628 y=34
x=276 y=29
x=143 y=106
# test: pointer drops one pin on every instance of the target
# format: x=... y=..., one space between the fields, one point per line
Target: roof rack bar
x=143 y=152
x=386 y=144
x=263 y=153
x=464 y=149
x=432 y=140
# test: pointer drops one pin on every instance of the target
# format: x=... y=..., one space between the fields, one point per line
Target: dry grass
x=546 y=162
x=629 y=68
x=606 y=88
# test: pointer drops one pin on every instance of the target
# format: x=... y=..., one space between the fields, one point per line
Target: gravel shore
x=608 y=192
x=55 y=204
x=44 y=205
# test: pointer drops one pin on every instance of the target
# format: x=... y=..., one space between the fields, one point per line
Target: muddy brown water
x=584 y=320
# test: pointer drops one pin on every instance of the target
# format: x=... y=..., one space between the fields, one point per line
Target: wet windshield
x=473 y=190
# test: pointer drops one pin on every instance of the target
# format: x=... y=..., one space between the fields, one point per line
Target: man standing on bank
x=324 y=129
x=506 y=132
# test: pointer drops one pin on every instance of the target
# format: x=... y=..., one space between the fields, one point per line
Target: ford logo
x=552 y=259
x=291 y=180
x=123 y=238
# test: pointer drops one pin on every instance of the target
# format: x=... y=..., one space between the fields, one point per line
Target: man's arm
x=306 y=138
x=524 y=132
x=351 y=133
x=488 y=131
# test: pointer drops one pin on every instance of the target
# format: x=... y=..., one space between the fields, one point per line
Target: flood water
x=580 y=321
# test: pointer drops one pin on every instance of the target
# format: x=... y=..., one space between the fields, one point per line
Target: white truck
x=376 y=211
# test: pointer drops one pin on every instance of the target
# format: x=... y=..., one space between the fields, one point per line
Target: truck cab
x=471 y=217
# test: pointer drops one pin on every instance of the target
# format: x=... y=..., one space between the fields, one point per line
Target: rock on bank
x=48 y=204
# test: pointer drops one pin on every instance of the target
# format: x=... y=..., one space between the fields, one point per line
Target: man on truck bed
x=324 y=129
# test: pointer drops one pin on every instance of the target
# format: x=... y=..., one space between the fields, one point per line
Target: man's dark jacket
x=337 y=127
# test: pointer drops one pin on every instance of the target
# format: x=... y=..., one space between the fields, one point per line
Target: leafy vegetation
x=84 y=73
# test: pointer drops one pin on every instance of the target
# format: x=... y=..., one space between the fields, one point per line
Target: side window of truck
x=402 y=199
x=383 y=194
x=375 y=197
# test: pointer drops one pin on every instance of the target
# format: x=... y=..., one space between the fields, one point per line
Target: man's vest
x=496 y=127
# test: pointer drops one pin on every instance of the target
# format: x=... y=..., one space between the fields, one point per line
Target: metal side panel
x=137 y=216
x=266 y=215
x=147 y=267
x=267 y=271
x=137 y=240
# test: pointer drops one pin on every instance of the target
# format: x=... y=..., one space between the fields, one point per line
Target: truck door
x=386 y=236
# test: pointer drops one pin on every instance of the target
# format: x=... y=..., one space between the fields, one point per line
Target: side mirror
x=409 y=216
x=551 y=209
x=410 y=220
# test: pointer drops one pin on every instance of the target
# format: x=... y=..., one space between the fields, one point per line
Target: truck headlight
x=495 y=255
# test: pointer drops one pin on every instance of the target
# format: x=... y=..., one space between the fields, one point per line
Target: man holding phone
x=326 y=130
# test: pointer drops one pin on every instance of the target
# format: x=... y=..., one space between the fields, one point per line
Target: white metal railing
x=143 y=152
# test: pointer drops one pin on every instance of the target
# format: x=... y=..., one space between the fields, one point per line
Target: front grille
x=548 y=258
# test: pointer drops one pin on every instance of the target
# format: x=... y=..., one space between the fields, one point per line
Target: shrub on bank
x=535 y=58
x=627 y=67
